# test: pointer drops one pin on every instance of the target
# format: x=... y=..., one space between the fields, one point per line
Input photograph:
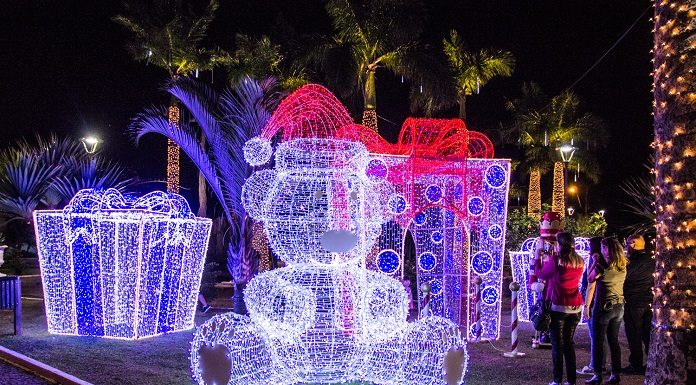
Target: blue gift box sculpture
x=121 y=268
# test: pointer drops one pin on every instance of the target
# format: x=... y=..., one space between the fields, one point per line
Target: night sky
x=64 y=69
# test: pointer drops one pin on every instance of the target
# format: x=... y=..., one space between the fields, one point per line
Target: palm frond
x=93 y=173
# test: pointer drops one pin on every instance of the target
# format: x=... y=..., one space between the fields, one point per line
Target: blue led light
x=528 y=244
x=420 y=219
x=435 y=287
x=376 y=170
x=489 y=296
x=482 y=262
x=475 y=206
x=495 y=176
x=436 y=237
x=426 y=261
x=388 y=261
x=457 y=193
x=397 y=204
x=449 y=218
x=433 y=193
x=495 y=232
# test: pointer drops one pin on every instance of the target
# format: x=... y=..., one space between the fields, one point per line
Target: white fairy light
x=257 y=151
x=324 y=318
x=121 y=268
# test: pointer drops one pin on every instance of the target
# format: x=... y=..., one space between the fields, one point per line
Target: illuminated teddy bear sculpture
x=325 y=318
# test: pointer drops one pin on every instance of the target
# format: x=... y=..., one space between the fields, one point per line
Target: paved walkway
x=12 y=375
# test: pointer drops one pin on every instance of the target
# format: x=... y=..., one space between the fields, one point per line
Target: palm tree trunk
x=534 y=196
x=370 y=99
x=202 y=193
x=671 y=359
x=462 y=106
x=173 y=151
x=558 y=197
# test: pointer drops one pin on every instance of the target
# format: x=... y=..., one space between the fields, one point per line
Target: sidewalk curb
x=39 y=368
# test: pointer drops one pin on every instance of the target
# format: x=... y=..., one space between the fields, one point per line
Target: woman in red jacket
x=563 y=271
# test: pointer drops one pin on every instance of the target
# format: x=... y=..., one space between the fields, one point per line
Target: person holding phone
x=608 y=273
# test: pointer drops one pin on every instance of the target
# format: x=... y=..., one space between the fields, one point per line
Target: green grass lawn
x=164 y=360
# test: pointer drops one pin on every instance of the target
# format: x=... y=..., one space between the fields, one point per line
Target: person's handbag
x=540 y=315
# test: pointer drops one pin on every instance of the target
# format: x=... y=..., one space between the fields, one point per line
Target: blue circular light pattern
x=433 y=193
x=420 y=219
x=376 y=170
x=529 y=244
x=476 y=206
x=482 y=262
x=489 y=296
x=397 y=204
x=435 y=287
x=426 y=261
x=475 y=327
x=388 y=261
x=436 y=237
x=582 y=245
x=495 y=176
x=495 y=232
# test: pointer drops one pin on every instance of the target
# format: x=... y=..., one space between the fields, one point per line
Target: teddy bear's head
x=317 y=204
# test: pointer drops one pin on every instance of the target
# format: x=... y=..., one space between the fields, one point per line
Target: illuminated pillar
x=534 y=197
x=558 y=197
x=173 y=152
x=369 y=119
x=671 y=359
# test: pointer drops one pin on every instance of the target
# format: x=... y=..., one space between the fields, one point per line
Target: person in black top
x=638 y=295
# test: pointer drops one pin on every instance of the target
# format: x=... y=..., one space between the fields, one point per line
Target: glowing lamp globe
x=121 y=267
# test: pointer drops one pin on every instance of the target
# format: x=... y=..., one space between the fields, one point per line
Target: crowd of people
x=616 y=287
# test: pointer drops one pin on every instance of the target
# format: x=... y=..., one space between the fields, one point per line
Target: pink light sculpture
x=451 y=197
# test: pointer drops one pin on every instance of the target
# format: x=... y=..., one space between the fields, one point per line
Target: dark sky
x=63 y=69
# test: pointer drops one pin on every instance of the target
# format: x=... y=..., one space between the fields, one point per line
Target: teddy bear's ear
x=255 y=192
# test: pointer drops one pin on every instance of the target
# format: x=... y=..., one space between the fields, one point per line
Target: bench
x=11 y=298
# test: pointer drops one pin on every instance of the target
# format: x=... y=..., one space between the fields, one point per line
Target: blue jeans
x=562 y=330
x=591 y=332
x=606 y=323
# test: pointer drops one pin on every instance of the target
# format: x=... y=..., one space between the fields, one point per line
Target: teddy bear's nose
x=338 y=241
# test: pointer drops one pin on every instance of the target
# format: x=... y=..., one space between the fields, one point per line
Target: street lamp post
x=90 y=143
x=567 y=151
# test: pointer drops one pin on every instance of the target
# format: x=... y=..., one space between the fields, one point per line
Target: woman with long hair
x=563 y=270
x=609 y=274
x=587 y=291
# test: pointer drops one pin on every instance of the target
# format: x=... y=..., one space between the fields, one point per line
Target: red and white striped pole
x=478 y=282
x=514 y=352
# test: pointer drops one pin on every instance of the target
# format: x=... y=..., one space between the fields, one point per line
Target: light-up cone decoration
x=121 y=268
x=325 y=318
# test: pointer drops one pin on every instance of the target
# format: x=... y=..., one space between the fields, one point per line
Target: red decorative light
x=313 y=111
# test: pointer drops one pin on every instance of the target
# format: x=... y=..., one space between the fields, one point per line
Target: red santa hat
x=550 y=224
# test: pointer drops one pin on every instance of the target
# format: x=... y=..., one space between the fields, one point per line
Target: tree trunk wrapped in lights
x=173 y=153
x=370 y=113
x=558 y=198
x=534 y=197
x=671 y=359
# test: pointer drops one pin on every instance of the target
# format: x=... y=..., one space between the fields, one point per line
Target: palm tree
x=227 y=120
x=472 y=70
x=671 y=356
x=369 y=35
x=46 y=174
x=259 y=58
x=168 y=35
x=540 y=130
